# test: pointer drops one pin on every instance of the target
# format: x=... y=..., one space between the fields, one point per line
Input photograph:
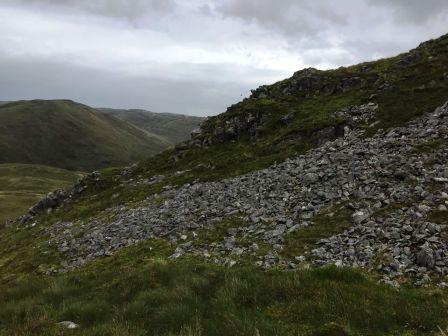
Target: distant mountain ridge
x=69 y=135
x=174 y=128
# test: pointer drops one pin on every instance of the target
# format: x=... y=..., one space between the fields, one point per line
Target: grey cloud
x=414 y=11
x=297 y=18
x=129 y=9
x=24 y=79
x=273 y=34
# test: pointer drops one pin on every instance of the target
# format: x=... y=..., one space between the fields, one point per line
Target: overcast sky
x=193 y=56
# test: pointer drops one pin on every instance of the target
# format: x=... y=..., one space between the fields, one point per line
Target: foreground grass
x=22 y=185
x=138 y=292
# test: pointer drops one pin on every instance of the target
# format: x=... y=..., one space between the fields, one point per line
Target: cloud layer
x=415 y=11
x=193 y=56
x=129 y=9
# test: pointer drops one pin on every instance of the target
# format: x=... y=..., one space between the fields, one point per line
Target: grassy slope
x=174 y=128
x=140 y=292
x=22 y=185
x=69 y=135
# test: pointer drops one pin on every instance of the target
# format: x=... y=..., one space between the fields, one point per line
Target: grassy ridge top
x=22 y=185
x=69 y=135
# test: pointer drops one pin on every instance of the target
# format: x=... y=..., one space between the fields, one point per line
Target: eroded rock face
x=58 y=197
x=358 y=114
x=231 y=129
x=304 y=81
x=308 y=82
x=396 y=188
x=251 y=124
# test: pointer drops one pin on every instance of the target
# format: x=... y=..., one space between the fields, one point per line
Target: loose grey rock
x=68 y=324
x=425 y=257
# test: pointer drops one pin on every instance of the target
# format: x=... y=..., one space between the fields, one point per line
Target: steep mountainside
x=69 y=135
x=174 y=128
x=22 y=185
x=394 y=179
x=294 y=115
x=318 y=206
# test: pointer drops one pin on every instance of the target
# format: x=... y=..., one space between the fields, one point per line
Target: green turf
x=22 y=185
x=139 y=292
x=331 y=220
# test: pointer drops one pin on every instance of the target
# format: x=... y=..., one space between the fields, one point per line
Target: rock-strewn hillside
x=387 y=176
x=394 y=183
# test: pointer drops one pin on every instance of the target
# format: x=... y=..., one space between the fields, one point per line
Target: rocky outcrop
x=57 y=198
x=251 y=125
x=304 y=81
x=309 y=82
x=391 y=188
x=355 y=115
x=242 y=124
x=232 y=129
x=52 y=200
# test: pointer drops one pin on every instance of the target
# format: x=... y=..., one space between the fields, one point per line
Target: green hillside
x=174 y=128
x=159 y=279
x=65 y=134
x=22 y=185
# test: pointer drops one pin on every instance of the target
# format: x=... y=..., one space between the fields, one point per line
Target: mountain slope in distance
x=65 y=134
x=172 y=127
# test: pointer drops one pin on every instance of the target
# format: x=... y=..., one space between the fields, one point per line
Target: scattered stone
x=59 y=197
x=68 y=324
x=443 y=285
x=425 y=258
x=424 y=208
x=300 y=258
x=360 y=216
